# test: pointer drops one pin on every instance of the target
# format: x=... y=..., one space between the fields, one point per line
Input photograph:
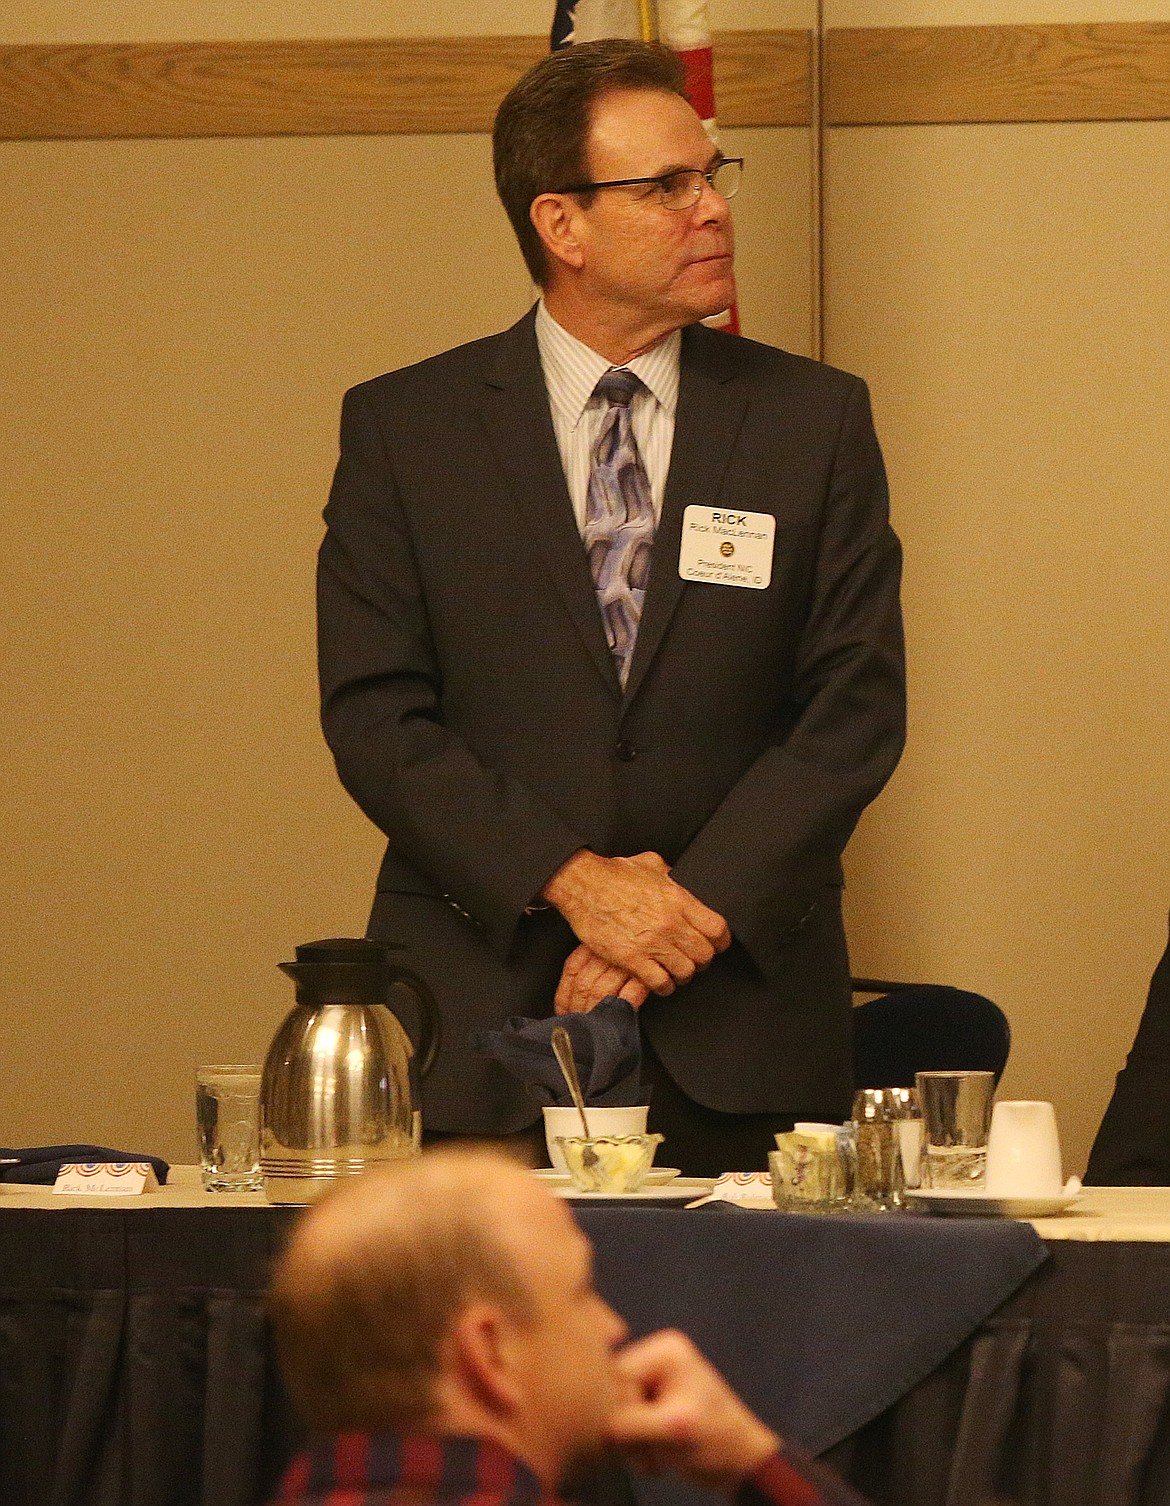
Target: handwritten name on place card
x=106 y=1178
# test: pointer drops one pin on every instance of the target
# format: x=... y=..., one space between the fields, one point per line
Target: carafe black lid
x=341 y=970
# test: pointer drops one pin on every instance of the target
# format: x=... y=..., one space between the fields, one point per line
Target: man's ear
x=483 y=1360
x=557 y=218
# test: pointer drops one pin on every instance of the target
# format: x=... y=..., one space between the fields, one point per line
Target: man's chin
x=716 y=298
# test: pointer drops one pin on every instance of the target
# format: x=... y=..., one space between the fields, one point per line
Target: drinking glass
x=227 y=1118
x=956 y=1109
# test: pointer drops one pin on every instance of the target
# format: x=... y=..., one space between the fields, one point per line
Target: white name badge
x=107 y=1178
x=726 y=547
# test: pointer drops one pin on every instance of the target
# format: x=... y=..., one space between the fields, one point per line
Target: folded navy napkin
x=40 y=1164
x=606 y=1044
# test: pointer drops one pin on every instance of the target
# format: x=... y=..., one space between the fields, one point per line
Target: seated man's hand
x=586 y=979
x=681 y=1415
x=631 y=914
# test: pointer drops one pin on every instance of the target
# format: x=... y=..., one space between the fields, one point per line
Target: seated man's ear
x=557 y=218
x=482 y=1358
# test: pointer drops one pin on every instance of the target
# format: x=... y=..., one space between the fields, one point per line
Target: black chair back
x=925 y=1028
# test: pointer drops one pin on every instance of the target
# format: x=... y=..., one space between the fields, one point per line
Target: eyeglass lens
x=684 y=188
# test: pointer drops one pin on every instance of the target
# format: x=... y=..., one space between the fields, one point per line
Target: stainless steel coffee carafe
x=338 y=1091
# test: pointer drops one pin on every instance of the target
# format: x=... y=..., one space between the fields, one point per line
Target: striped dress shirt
x=571 y=372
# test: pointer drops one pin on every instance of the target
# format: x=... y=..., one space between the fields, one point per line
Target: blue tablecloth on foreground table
x=821 y=1323
x=135 y=1365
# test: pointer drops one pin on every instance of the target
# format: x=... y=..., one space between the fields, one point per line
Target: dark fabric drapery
x=136 y=1367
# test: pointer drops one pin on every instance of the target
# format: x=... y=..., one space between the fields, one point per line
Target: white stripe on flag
x=594 y=20
x=683 y=24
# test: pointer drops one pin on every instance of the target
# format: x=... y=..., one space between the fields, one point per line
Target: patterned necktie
x=619 y=520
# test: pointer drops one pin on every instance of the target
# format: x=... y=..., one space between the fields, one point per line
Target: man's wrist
x=565 y=882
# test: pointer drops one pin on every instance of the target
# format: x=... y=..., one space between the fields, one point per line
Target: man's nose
x=711 y=205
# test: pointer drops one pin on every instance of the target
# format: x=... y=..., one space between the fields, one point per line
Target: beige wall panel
x=1006 y=291
x=773 y=235
x=219 y=20
x=181 y=319
x=990 y=12
x=185 y=318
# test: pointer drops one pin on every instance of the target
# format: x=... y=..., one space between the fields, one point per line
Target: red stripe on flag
x=700 y=82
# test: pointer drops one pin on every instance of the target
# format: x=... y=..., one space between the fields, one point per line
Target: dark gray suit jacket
x=1132 y=1148
x=475 y=715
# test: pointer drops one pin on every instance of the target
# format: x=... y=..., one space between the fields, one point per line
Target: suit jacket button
x=626 y=751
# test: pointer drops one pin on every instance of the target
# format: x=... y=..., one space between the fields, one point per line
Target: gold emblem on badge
x=726 y=549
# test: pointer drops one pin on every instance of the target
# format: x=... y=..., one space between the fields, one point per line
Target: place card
x=747 y=1189
x=106 y=1178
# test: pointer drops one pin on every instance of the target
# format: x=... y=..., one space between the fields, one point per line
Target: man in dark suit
x=1132 y=1148
x=592 y=782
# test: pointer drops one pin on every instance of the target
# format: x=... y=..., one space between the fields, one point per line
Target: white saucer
x=679 y=1190
x=655 y=1177
x=973 y=1200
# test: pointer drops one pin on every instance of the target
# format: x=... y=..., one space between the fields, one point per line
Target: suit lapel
x=518 y=425
x=711 y=408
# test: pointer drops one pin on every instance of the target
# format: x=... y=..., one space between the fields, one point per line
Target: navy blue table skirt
x=937 y=1363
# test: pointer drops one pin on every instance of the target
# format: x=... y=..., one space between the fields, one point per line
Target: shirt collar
x=572 y=369
x=417 y=1468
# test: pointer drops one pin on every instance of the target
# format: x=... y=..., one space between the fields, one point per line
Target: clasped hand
x=680 y=1415
x=640 y=931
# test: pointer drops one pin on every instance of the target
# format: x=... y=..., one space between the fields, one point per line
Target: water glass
x=227 y=1118
x=956 y=1109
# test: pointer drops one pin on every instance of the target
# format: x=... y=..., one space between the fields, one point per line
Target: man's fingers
x=651 y=972
x=586 y=979
x=682 y=1410
x=633 y=915
x=705 y=920
x=677 y=963
x=634 y=992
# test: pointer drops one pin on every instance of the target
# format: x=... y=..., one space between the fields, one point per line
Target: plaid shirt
x=359 y=1469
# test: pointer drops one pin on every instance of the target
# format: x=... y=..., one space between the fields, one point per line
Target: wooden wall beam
x=874 y=76
x=310 y=88
x=927 y=75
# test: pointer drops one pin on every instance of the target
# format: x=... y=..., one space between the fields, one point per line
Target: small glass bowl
x=612 y=1164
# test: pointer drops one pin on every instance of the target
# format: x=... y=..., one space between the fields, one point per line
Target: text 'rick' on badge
x=725 y=547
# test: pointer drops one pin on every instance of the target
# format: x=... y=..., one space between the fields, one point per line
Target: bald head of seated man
x=440 y=1334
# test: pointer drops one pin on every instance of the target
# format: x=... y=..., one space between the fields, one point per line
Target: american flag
x=681 y=25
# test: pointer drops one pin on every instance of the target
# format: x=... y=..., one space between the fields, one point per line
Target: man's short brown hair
x=372 y=1281
x=540 y=138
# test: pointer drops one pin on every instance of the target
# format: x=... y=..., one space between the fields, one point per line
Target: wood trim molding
x=419 y=86
x=928 y=75
x=308 y=88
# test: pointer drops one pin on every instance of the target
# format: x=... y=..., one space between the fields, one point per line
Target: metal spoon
x=563 y=1051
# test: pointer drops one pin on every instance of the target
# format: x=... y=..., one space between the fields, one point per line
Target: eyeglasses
x=681 y=189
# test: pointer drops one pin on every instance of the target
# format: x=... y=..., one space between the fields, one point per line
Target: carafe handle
x=430 y=1030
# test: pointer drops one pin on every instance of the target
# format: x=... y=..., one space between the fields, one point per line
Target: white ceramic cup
x=1023 y=1151
x=602 y=1121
